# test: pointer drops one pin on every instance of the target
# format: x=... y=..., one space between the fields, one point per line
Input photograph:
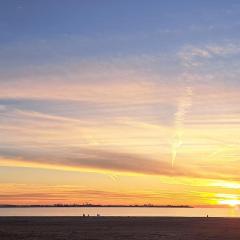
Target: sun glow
x=225 y=184
x=230 y=202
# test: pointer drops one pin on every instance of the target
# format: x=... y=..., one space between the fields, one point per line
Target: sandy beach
x=122 y=228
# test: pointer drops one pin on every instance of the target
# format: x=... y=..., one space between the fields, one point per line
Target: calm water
x=123 y=211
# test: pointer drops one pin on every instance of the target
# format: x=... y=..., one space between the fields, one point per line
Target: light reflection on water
x=121 y=211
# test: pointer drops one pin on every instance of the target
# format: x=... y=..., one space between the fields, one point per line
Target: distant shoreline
x=94 y=206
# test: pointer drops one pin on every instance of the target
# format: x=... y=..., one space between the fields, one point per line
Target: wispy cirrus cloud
x=21 y=193
x=196 y=56
x=115 y=118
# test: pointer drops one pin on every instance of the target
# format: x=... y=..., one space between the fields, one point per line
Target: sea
x=121 y=211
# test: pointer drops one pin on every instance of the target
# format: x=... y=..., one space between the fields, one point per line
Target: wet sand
x=118 y=228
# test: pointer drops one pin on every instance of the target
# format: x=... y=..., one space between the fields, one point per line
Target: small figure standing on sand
x=207 y=215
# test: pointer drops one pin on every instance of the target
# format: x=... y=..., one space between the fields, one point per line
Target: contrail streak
x=185 y=102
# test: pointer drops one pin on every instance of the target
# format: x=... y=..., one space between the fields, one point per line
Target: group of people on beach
x=98 y=215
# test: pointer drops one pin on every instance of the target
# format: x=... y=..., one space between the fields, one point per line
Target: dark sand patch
x=118 y=228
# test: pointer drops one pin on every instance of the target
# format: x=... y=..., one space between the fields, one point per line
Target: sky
x=120 y=102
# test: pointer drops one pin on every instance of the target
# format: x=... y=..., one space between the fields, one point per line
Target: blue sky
x=49 y=31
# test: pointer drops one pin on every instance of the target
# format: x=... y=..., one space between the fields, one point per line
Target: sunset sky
x=120 y=102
